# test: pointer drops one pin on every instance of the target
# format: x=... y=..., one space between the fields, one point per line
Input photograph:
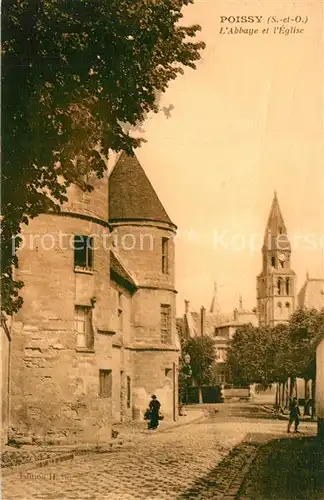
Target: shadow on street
x=242 y=411
x=286 y=469
x=217 y=481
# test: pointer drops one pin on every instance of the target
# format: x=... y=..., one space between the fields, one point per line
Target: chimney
x=202 y=320
x=187 y=306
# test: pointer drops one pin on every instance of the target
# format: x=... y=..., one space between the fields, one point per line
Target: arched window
x=273 y=261
x=288 y=286
x=279 y=286
x=280 y=307
x=287 y=305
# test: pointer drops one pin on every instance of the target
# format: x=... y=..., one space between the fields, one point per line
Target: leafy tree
x=304 y=327
x=288 y=350
x=258 y=355
x=202 y=358
x=185 y=374
x=75 y=77
x=249 y=355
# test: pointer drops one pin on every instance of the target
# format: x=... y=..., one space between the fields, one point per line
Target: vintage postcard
x=162 y=314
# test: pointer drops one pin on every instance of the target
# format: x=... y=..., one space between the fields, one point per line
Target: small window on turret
x=83 y=251
x=165 y=324
x=83 y=327
x=165 y=255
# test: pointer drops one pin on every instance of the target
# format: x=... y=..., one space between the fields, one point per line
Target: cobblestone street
x=186 y=462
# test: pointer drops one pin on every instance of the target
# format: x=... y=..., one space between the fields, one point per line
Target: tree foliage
x=74 y=74
x=273 y=354
x=202 y=358
x=251 y=355
x=305 y=327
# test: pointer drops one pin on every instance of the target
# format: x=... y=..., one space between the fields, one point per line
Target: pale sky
x=248 y=121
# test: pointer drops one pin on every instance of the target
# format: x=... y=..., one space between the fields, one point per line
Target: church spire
x=275 y=237
x=214 y=306
x=277 y=281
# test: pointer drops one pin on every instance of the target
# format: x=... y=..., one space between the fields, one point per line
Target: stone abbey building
x=96 y=335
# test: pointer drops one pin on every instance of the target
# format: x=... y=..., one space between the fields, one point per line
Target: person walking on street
x=294 y=415
x=154 y=407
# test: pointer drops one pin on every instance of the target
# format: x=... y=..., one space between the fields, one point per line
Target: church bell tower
x=277 y=281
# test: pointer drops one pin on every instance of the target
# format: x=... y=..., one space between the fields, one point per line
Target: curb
x=285 y=416
x=275 y=415
x=7 y=471
x=168 y=427
x=236 y=483
x=180 y=424
x=82 y=450
x=64 y=456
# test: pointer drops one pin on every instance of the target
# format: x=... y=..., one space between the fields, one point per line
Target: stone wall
x=55 y=384
x=94 y=203
x=320 y=388
x=55 y=393
x=156 y=372
x=146 y=316
x=5 y=358
x=155 y=364
x=140 y=248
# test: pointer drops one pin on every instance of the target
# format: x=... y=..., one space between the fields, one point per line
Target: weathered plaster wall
x=320 y=388
x=156 y=372
x=5 y=355
x=55 y=385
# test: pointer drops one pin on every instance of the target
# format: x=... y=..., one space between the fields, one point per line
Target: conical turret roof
x=275 y=237
x=131 y=194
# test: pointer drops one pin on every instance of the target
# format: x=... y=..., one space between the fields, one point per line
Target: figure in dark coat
x=294 y=415
x=154 y=406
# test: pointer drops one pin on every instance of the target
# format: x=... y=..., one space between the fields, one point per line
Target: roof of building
x=275 y=237
x=131 y=194
x=311 y=295
x=211 y=321
x=119 y=273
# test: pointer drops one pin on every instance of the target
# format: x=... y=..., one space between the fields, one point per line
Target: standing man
x=294 y=415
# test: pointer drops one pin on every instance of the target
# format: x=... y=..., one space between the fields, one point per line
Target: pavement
x=207 y=458
x=23 y=457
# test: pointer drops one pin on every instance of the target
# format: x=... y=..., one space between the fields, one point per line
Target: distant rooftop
x=311 y=295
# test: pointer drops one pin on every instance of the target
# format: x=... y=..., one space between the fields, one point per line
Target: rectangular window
x=83 y=326
x=128 y=392
x=221 y=354
x=83 y=251
x=105 y=383
x=165 y=256
x=165 y=324
x=120 y=312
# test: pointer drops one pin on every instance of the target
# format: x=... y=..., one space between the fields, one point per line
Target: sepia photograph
x=162 y=250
